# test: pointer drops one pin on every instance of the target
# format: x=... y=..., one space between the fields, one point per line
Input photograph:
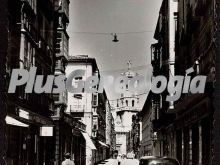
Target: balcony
x=64 y=10
x=30 y=6
x=60 y=98
x=62 y=44
x=156 y=56
x=77 y=110
x=60 y=66
x=30 y=32
x=45 y=49
x=36 y=39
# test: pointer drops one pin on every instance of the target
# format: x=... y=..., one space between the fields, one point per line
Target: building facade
x=89 y=108
x=187 y=129
x=68 y=136
x=195 y=47
x=110 y=130
x=147 y=115
x=135 y=135
x=99 y=128
x=30 y=44
x=126 y=107
x=38 y=131
x=3 y=55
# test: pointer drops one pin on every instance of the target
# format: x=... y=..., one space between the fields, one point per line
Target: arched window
x=132 y=103
x=126 y=102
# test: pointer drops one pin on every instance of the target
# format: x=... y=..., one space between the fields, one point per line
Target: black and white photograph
x=110 y=82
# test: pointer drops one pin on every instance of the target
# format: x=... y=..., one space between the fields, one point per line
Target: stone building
x=126 y=107
x=89 y=108
x=4 y=46
x=30 y=32
x=68 y=136
x=99 y=128
x=188 y=128
x=147 y=115
x=195 y=47
x=110 y=130
x=134 y=136
x=34 y=30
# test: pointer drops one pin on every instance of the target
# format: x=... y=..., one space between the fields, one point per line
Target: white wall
x=87 y=97
x=85 y=104
x=121 y=139
x=173 y=7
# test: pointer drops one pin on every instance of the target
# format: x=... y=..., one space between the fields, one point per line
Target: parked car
x=155 y=160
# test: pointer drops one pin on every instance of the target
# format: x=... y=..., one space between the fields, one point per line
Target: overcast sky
x=134 y=22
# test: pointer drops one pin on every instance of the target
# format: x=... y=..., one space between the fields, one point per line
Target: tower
x=127 y=106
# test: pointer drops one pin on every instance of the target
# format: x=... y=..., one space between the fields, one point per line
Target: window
x=56 y=97
x=77 y=96
x=58 y=64
x=95 y=127
x=132 y=103
x=126 y=102
x=77 y=79
x=58 y=43
x=190 y=147
x=62 y=44
x=29 y=52
x=200 y=144
x=95 y=99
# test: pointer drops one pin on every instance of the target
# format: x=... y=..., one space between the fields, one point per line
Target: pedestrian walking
x=119 y=159
x=67 y=160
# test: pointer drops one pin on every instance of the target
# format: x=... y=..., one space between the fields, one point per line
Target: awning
x=15 y=122
x=89 y=142
x=103 y=144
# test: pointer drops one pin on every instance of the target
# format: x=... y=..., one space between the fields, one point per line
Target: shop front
x=28 y=138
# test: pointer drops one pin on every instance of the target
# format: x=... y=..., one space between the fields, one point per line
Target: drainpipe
x=21 y=58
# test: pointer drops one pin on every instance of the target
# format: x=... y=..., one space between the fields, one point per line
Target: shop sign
x=46 y=131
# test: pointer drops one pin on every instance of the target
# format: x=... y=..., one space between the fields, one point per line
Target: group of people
x=68 y=160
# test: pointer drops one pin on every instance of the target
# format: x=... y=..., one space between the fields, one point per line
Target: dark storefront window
x=206 y=142
x=179 y=145
x=195 y=145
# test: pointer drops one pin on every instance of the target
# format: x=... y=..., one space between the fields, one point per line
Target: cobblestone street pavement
x=123 y=162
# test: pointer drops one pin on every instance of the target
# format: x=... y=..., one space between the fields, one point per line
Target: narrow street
x=86 y=81
x=123 y=162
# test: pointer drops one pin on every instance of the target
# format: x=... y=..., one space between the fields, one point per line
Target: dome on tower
x=129 y=73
